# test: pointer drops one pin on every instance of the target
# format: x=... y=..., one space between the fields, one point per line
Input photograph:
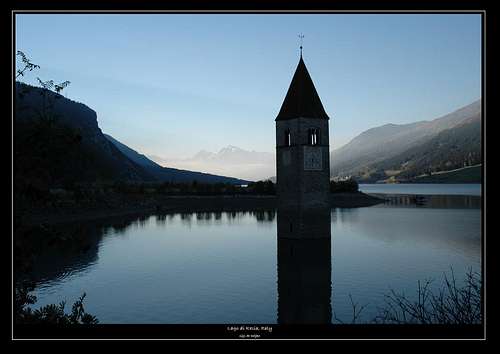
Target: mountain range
x=58 y=142
x=391 y=152
x=406 y=151
x=73 y=148
x=170 y=174
x=250 y=165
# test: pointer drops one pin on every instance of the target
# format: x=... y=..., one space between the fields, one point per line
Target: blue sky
x=171 y=84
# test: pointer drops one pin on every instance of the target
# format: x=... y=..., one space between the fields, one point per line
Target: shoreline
x=181 y=204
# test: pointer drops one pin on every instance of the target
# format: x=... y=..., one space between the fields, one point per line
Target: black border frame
x=216 y=331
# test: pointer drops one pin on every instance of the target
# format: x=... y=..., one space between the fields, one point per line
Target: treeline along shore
x=87 y=202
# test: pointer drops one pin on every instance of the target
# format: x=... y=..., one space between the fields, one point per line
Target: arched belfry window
x=313 y=136
x=288 y=138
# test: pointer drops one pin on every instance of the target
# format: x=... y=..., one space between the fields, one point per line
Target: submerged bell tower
x=302 y=146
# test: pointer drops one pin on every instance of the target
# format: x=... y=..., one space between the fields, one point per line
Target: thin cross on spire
x=301 y=36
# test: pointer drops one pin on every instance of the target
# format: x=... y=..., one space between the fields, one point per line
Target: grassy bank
x=464 y=175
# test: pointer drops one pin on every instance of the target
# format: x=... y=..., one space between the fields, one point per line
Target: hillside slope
x=171 y=174
x=58 y=141
x=470 y=174
x=407 y=150
x=450 y=149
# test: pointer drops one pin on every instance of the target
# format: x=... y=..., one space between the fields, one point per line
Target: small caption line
x=250 y=331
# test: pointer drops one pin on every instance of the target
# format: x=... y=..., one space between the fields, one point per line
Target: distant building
x=302 y=146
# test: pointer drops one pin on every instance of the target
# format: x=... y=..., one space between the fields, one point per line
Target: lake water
x=249 y=267
x=422 y=188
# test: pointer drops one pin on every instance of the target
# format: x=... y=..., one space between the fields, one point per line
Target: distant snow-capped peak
x=230 y=149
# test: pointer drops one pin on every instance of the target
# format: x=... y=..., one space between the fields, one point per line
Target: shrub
x=262 y=187
x=349 y=185
x=450 y=305
x=49 y=314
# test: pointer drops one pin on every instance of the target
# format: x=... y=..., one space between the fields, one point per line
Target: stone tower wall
x=296 y=186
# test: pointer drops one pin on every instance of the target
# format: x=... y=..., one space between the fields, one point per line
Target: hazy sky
x=171 y=84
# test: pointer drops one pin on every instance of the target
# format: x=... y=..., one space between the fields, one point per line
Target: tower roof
x=301 y=100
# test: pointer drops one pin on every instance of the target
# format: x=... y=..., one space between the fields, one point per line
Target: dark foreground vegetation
x=451 y=304
x=49 y=314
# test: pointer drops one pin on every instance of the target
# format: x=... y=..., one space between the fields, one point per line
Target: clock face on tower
x=313 y=158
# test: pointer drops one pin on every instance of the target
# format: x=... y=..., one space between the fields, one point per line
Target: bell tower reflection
x=304 y=266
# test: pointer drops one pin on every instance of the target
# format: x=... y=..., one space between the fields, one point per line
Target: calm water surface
x=423 y=188
x=231 y=268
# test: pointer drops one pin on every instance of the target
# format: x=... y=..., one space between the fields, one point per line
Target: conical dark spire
x=302 y=100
